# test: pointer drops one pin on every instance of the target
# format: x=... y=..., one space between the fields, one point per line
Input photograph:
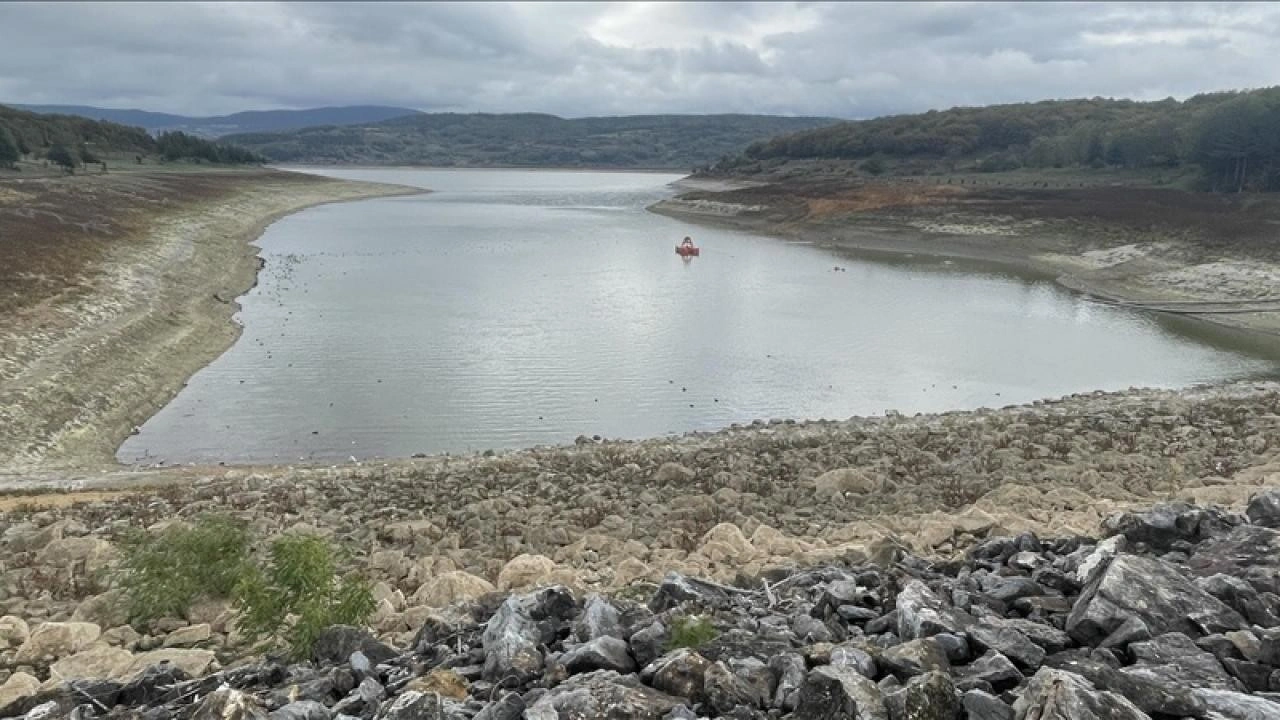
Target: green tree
x=87 y=157
x=299 y=594
x=60 y=155
x=164 y=572
x=9 y=153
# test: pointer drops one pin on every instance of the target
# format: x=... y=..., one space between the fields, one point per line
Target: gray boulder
x=604 y=653
x=680 y=673
x=789 y=669
x=926 y=697
x=1149 y=694
x=1264 y=508
x=992 y=669
x=1163 y=525
x=336 y=644
x=602 y=694
x=1152 y=591
x=511 y=644
x=1008 y=642
x=839 y=693
x=914 y=658
x=922 y=613
x=302 y=710
x=1238 y=706
x=1242 y=597
x=599 y=619
x=1249 y=552
x=979 y=705
x=1174 y=660
x=1059 y=695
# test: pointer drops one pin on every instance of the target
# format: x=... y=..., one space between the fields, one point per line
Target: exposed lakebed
x=512 y=308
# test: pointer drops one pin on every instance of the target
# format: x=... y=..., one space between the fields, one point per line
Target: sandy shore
x=97 y=354
x=1140 y=261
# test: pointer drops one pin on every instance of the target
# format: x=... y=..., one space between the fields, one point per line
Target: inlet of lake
x=512 y=308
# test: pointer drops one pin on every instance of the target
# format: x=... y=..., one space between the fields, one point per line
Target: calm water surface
x=513 y=308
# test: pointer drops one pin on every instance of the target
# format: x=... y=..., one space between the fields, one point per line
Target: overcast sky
x=843 y=59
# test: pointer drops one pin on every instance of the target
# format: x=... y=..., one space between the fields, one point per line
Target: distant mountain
x=529 y=140
x=253 y=121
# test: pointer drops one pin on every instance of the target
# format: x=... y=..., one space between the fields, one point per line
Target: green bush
x=164 y=572
x=299 y=594
x=690 y=631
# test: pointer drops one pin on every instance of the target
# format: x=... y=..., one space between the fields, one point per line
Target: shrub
x=163 y=573
x=689 y=631
x=60 y=155
x=299 y=594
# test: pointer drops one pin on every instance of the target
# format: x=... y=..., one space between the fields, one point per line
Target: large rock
x=926 y=697
x=1174 y=660
x=1059 y=695
x=1250 y=552
x=188 y=636
x=18 y=687
x=514 y=635
x=53 y=640
x=1238 y=706
x=1165 y=524
x=13 y=632
x=603 y=653
x=193 y=663
x=839 y=693
x=450 y=588
x=1152 y=591
x=1151 y=695
x=914 y=657
x=921 y=613
x=846 y=480
x=599 y=619
x=680 y=673
x=336 y=643
x=108 y=610
x=83 y=554
x=527 y=571
x=229 y=704
x=602 y=694
x=1264 y=508
x=1242 y=597
x=99 y=662
x=1008 y=642
x=414 y=705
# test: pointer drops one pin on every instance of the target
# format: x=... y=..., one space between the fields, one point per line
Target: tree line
x=70 y=141
x=1232 y=137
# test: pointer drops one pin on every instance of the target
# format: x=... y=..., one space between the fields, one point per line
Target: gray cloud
x=573 y=59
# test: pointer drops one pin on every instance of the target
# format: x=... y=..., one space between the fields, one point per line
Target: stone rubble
x=1125 y=626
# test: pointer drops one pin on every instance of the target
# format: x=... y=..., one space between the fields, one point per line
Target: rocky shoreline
x=1168 y=612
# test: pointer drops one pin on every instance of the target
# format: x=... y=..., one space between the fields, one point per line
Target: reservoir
x=511 y=308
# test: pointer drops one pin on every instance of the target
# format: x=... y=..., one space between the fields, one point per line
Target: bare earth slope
x=115 y=288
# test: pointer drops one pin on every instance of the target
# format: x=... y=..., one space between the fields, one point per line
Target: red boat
x=687 y=249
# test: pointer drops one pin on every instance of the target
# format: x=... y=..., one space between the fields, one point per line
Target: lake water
x=514 y=308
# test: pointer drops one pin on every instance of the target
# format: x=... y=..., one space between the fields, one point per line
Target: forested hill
x=70 y=141
x=529 y=140
x=1233 y=138
x=214 y=126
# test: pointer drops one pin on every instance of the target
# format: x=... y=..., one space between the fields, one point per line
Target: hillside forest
x=1231 y=139
x=528 y=140
x=71 y=141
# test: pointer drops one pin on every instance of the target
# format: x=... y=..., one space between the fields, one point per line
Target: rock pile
x=1174 y=613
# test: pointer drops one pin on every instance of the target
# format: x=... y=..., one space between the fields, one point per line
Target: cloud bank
x=574 y=59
